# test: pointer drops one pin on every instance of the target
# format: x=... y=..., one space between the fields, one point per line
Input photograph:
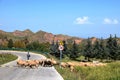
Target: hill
x=40 y=36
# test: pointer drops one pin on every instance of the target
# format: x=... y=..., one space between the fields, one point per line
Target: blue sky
x=81 y=18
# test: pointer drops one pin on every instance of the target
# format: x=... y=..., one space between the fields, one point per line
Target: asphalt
x=10 y=71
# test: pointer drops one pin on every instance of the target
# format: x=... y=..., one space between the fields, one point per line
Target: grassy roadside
x=109 y=72
x=7 y=57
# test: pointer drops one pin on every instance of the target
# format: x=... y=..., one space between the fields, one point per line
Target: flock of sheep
x=44 y=63
x=73 y=64
x=36 y=63
x=52 y=62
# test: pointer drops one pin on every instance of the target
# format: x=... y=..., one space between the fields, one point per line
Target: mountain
x=40 y=36
x=22 y=33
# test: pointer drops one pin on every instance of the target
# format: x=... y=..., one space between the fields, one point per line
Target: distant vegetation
x=91 y=48
x=102 y=49
x=6 y=57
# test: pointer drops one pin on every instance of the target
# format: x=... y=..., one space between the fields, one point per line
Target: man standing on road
x=28 y=55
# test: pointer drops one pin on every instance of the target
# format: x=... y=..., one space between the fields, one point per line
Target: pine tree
x=74 y=51
x=104 y=51
x=52 y=47
x=10 y=43
x=116 y=51
x=113 y=47
x=96 y=50
x=65 y=50
x=101 y=50
x=57 y=52
x=88 y=51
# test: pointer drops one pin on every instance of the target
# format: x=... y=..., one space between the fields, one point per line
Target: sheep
x=71 y=68
x=31 y=63
x=70 y=64
x=37 y=62
x=54 y=62
x=47 y=62
x=19 y=63
x=63 y=64
x=22 y=63
x=41 y=62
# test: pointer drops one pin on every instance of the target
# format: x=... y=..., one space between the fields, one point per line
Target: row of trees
x=12 y=44
x=100 y=49
x=24 y=44
x=36 y=46
x=71 y=50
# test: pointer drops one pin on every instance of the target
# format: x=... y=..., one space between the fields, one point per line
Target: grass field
x=4 y=58
x=109 y=72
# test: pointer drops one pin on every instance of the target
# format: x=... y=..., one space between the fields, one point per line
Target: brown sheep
x=32 y=63
x=19 y=63
x=41 y=62
x=70 y=64
x=47 y=62
x=54 y=62
x=22 y=63
x=63 y=64
x=71 y=68
x=37 y=62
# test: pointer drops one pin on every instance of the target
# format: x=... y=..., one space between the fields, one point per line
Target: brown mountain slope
x=22 y=33
x=40 y=36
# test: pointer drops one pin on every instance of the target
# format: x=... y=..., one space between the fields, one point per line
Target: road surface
x=10 y=71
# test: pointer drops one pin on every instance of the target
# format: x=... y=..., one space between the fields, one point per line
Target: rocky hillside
x=40 y=36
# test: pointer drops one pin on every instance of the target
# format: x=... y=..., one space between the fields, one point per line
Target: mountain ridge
x=40 y=36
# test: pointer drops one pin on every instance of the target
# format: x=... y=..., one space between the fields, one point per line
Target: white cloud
x=82 y=20
x=110 y=21
x=115 y=21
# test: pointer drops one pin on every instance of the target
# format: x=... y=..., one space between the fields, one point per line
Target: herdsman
x=28 y=55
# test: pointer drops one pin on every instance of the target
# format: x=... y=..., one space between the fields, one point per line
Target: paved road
x=10 y=71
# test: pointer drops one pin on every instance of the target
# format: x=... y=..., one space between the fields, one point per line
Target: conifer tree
x=113 y=47
x=74 y=51
x=104 y=51
x=52 y=47
x=10 y=43
x=65 y=50
x=96 y=50
x=88 y=51
x=101 y=50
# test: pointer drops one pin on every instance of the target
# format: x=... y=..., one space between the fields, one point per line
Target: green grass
x=109 y=72
x=4 y=58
